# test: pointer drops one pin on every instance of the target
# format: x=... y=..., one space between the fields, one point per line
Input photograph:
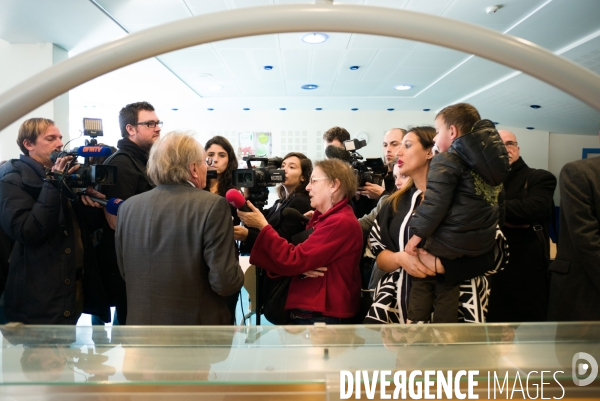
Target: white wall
x=19 y=62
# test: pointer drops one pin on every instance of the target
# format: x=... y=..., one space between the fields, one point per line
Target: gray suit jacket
x=575 y=284
x=175 y=250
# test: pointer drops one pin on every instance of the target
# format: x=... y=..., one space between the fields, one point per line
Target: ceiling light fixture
x=354 y=109
x=209 y=109
x=530 y=127
x=319 y=108
x=268 y=67
x=390 y=109
x=535 y=106
x=314 y=38
x=403 y=87
x=495 y=122
x=174 y=109
x=246 y=109
x=282 y=108
x=354 y=67
x=309 y=87
x=426 y=109
x=214 y=87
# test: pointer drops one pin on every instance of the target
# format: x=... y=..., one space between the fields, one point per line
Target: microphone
x=237 y=200
x=291 y=213
x=333 y=152
x=83 y=151
x=112 y=205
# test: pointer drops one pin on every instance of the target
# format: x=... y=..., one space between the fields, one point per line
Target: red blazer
x=336 y=243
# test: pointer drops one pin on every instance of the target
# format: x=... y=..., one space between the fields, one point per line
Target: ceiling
x=439 y=76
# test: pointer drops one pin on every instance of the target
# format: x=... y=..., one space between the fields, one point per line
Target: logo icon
x=583 y=368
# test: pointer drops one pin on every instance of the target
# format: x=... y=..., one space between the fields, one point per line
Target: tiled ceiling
x=439 y=76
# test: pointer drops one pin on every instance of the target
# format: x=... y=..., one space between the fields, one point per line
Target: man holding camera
x=53 y=277
x=140 y=128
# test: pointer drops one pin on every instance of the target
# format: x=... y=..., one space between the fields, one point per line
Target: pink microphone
x=237 y=200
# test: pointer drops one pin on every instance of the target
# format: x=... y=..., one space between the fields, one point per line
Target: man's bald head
x=510 y=141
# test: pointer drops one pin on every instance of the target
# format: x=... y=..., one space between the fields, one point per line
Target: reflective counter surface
x=292 y=362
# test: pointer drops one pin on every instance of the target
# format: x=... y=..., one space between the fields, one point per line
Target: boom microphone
x=112 y=205
x=237 y=200
x=333 y=152
x=294 y=214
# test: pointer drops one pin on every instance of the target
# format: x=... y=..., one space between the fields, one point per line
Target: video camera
x=87 y=175
x=370 y=170
x=258 y=178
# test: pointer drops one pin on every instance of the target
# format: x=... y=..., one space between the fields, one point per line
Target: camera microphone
x=83 y=151
x=291 y=213
x=237 y=200
x=334 y=152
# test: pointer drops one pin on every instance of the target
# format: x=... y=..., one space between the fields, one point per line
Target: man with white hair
x=175 y=253
x=520 y=292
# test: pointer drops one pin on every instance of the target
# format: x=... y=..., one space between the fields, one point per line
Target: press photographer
x=46 y=283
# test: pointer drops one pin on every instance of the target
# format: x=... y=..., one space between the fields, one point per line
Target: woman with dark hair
x=292 y=194
x=224 y=161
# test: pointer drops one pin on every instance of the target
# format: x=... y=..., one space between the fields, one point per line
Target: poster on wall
x=255 y=143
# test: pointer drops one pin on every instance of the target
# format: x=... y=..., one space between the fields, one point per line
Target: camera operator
x=292 y=194
x=140 y=128
x=53 y=277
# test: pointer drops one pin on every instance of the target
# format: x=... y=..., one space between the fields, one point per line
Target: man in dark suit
x=520 y=292
x=575 y=273
x=174 y=247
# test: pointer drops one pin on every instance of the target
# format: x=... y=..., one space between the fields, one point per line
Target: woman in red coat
x=332 y=296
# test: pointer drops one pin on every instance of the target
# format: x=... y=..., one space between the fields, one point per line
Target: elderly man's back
x=175 y=250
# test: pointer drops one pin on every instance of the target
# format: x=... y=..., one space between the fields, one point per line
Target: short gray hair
x=171 y=156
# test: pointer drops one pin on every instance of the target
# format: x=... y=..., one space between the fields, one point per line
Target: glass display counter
x=491 y=361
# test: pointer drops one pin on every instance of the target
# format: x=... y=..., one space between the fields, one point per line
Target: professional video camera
x=370 y=170
x=258 y=178
x=86 y=175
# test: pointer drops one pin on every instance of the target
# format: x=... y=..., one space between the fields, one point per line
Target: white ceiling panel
x=387 y=3
x=473 y=11
x=436 y=7
x=383 y=64
x=264 y=58
x=256 y=42
x=325 y=64
x=296 y=65
x=238 y=64
x=560 y=23
x=360 y=40
x=262 y=88
x=250 y=3
x=353 y=89
x=199 y=7
x=355 y=57
x=141 y=14
x=440 y=58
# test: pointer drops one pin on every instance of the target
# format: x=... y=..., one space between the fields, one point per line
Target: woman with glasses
x=292 y=194
x=325 y=284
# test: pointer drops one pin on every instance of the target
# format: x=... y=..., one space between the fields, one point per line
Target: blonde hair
x=336 y=169
x=171 y=156
x=30 y=130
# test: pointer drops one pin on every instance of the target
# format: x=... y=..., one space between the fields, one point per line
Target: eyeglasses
x=312 y=180
x=209 y=161
x=151 y=124
x=510 y=143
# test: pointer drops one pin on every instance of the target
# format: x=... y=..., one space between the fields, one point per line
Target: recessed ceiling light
x=426 y=109
x=246 y=108
x=403 y=87
x=390 y=109
x=174 y=109
x=535 y=106
x=495 y=122
x=354 y=109
x=319 y=108
x=354 y=67
x=530 y=127
x=309 y=87
x=214 y=87
x=282 y=108
x=314 y=38
x=210 y=109
x=268 y=67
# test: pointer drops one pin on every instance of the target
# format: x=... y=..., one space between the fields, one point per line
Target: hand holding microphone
x=247 y=212
x=237 y=200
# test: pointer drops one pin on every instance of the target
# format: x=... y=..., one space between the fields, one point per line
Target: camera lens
x=247 y=177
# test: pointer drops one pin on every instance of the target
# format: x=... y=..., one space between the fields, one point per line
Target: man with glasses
x=520 y=292
x=140 y=128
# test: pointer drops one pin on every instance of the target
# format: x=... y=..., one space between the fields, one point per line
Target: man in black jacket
x=53 y=276
x=140 y=128
x=520 y=292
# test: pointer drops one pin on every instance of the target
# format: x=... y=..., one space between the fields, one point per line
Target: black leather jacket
x=464 y=200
